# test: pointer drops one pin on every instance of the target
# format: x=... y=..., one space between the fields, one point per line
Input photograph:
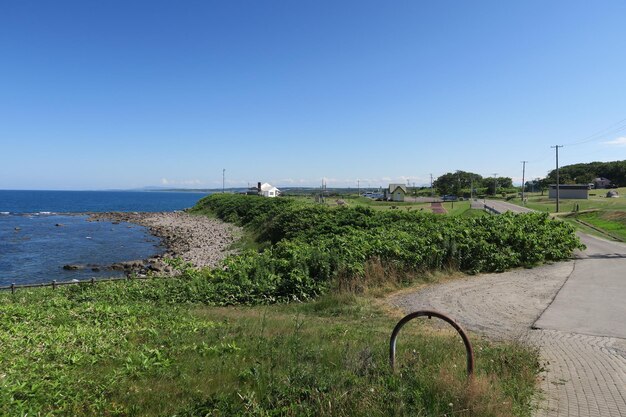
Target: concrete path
x=438 y=208
x=575 y=312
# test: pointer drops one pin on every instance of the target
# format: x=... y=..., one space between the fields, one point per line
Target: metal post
x=54 y=284
x=523 y=178
x=432 y=192
x=13 y=288
x=557 y=175
x=223 y=179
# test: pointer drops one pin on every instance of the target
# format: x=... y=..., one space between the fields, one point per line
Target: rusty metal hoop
x=430 y=314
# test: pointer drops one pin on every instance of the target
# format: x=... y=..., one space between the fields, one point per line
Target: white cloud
x=165 y=181
x=617 y=142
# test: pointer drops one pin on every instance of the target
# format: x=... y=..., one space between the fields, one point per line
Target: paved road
x=577 y=311
x=593 y=300
x=502 y=206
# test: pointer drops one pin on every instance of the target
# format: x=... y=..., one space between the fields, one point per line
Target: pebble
x=202 y=241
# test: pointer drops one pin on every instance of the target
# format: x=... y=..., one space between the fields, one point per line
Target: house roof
x=570 y=186
x=268 y=187
x=394 y=187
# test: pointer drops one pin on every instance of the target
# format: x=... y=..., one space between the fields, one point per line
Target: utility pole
x=557 y=175
x=223 y=178
x=495 y=183
x=432 y=192
x=358 y=187
x=523 y=178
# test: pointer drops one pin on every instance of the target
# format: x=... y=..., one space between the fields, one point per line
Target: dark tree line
x=586 y=173
x=460 y=183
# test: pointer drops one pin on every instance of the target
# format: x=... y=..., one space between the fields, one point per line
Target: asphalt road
x=502 y=206
x=593 y=299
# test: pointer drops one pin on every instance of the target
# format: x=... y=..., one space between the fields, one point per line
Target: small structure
x=395 y=192
x=601 y=182
x=268 y=190
x=570 y=191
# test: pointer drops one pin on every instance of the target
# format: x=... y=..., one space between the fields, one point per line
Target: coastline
x=199 y=240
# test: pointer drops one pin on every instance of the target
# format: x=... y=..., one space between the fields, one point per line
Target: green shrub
x=311 y=245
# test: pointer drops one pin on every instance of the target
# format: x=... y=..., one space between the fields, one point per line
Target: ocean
x=41 y=231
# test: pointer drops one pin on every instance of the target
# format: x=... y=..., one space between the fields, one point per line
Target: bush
x=312 y=245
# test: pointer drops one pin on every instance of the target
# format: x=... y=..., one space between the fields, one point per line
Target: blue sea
x=41 y=231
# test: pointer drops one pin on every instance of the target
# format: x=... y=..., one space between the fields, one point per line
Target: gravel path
x=500 y=306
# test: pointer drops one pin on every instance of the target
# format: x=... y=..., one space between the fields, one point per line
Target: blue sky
x=120 y=94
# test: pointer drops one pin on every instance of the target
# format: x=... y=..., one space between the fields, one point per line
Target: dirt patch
x=500 y=306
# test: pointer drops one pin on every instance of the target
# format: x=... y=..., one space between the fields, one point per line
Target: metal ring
x=429 y=314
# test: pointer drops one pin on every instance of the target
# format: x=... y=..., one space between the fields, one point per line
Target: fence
x=491 y=209
x=54 y=284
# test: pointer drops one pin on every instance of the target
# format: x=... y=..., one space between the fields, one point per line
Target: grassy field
x=458 y=208
x=606 y=214
x=97 y=350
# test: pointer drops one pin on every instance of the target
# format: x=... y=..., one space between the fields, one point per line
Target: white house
x=395 y=192
x=268 y=190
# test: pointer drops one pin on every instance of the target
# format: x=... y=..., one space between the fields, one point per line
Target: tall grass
x=113 y=353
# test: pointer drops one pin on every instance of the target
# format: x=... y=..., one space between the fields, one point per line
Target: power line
x=612 y=129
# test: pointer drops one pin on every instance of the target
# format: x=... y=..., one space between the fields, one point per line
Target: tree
x=586 y=173
x=499 y=182
x=455 y=182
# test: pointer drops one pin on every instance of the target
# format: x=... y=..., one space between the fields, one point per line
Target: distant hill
x=586 y=173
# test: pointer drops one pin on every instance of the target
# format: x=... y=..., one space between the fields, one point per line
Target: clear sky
x=125 y=94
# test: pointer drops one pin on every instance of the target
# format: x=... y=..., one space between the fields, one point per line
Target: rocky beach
x=199 y=240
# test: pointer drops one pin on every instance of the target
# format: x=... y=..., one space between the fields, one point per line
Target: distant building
x=395 y=192
x=268 y=190
x=570 y=191
x=601 y=182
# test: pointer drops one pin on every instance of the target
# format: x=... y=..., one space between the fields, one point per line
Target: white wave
x=5 y=213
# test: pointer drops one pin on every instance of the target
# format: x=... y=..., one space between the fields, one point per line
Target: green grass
x=97 y=350
x=596 y=201
x=613 y=222
x=606 y=214
x=461 y=208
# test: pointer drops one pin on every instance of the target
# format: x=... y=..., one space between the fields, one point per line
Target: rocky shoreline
x=199 y=240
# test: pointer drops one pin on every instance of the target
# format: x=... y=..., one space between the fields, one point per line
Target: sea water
x=38 y=236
